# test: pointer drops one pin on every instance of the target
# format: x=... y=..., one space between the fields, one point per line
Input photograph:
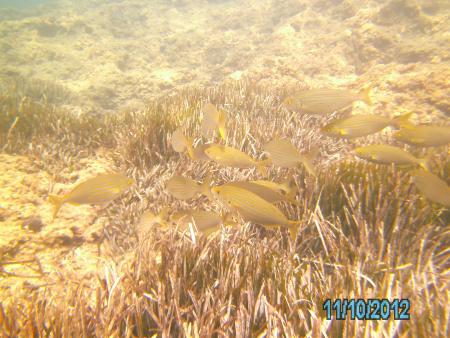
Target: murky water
x=181 y=76
x=115 y=55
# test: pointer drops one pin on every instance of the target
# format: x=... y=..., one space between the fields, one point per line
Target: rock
x=34 y=224
x=403 y=12
x=49 y=29
x=413 y=52
x=76 y=231
x=432 y=7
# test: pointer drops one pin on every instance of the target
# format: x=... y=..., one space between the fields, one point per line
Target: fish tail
x=293 y=201
x=402 y=121
x=223 y=132
x=291 y=193
x=190 y=148
x=57 y=202
x=293 y=229
x=222 y=125
x=163 y=217
x=164 y=213
x=206 y=186
x=365 y=95
x=290 y=187
x=261 y=166
x=308 y=159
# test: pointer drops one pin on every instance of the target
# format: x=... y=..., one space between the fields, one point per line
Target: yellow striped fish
x=362 y=125
x=184 y=188
x=286 y=188
x=324 y=101
x=232 y=157
x=385 y=154
x=100 y=189
x=269 y=194
x=432 y=187
x=205 y=221
x=424 y=136
x=282 y=153
x=181 y=143
x=253 y=208
x=214 y=119
x=148 y=219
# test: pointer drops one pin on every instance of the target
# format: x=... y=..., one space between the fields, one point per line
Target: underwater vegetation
x=363 y=230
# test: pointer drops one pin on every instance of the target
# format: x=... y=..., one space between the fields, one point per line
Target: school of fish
x=256 y=201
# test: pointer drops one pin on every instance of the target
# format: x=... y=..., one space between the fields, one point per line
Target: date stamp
x=370 y=309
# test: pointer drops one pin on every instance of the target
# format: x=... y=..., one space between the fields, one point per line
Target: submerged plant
x=364 y=232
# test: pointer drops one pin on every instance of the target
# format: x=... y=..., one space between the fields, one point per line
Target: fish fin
x=308 y=159
x=227 y=219
x=365 y=95
x=425 y=162
x=293 y=229
x=57 y=202
x=402 y=121
x=206 y=186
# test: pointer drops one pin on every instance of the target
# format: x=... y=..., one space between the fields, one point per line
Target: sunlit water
x=22 y=3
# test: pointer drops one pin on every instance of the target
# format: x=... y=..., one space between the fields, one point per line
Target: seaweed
x=365 y=233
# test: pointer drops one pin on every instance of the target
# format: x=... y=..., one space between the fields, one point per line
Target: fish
x=283 y=153
x=232 y=157
x=205 y=221
x=286 y=188
x=184 y=188
x=324 y=100
x=181 y=143
x=100 y=189
x=385 y=154
x=253 y=208
x=148 y=220
x=431 y=186
x=424 y=135
x=269 y=194
x=214 y=119
x=198 y=152
x=362 y=125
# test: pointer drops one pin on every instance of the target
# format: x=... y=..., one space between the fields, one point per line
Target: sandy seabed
x=111 y=56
